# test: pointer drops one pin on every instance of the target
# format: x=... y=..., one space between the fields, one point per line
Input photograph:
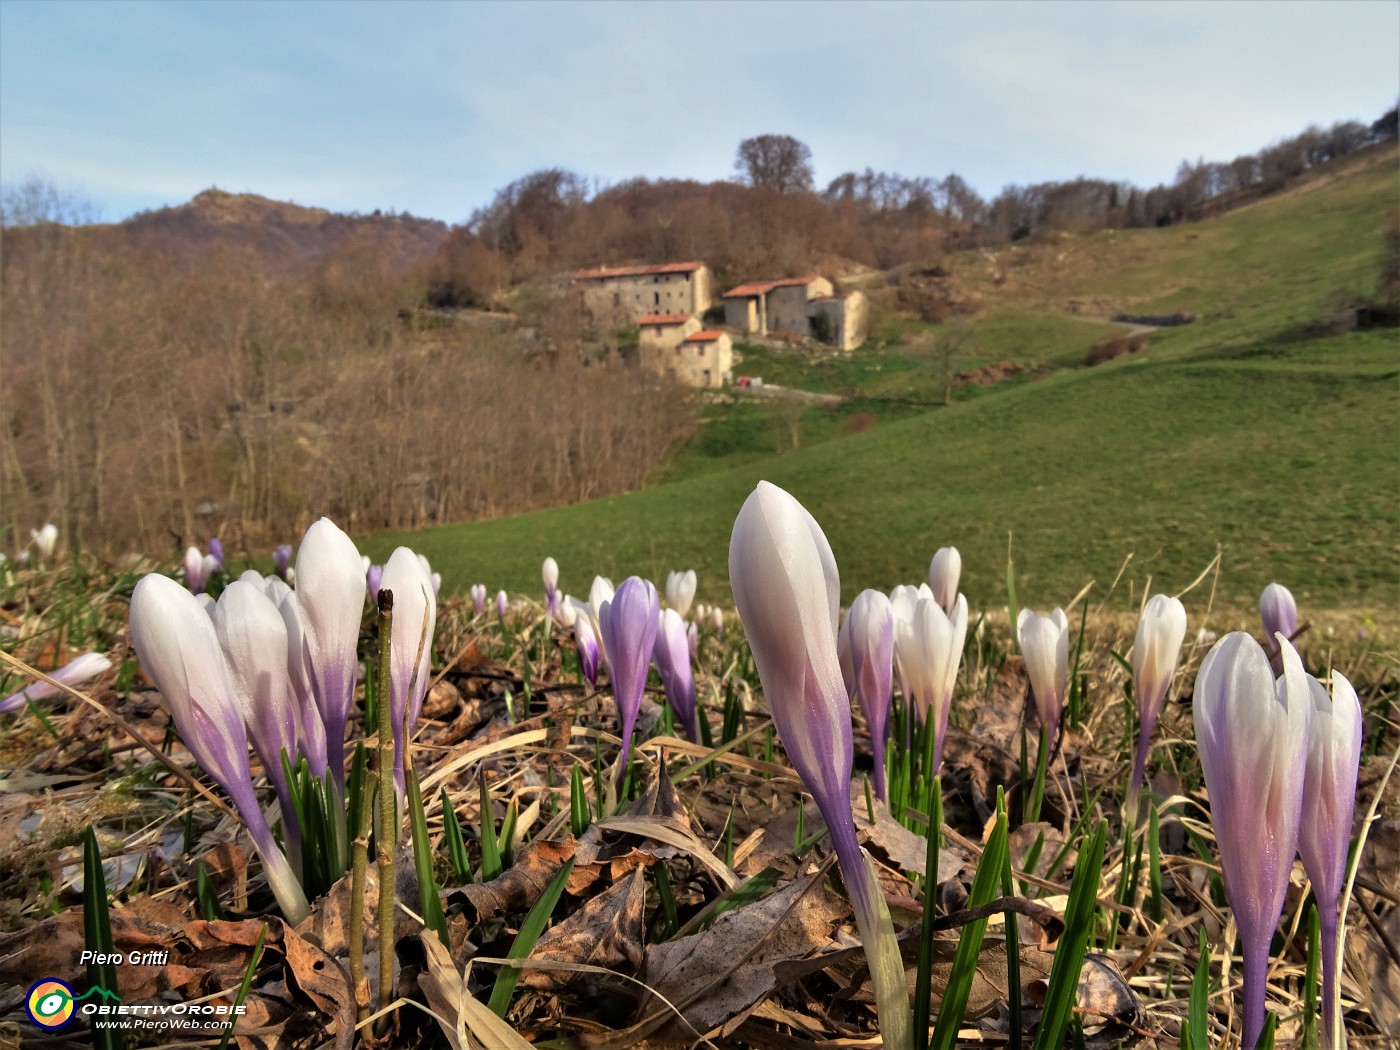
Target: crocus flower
x=434 y=578
x=77 y=671
x=870 y=637
x=374 y=581
x=628 y=620
x=282 y=559
x=787 y=591
x=1279 y=612
x=717 y=619
x=672 y=654
x=600 y=592
x=549 y=572
x=253 y=637
x=311 y=731
x=692 y=640
x=479 y=598
x=216 y=551
x=411 y=649
x=1156 y=648
x=587 y=648
x=565 y=612
x=198 y=569
x=1329 y=802
x=1044 y=642
x=179 y=650
x=330 y=589
x=930 y=652
x=45 y=539
x=1252 y=733
x=680 y=590
x=943 y=574
x=502 y=604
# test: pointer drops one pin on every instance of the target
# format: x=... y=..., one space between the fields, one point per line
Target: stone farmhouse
x=620 y=295
x=674 y=345
x=805 y=306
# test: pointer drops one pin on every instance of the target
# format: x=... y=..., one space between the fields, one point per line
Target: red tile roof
x=664 y=319
x=604 y=272
x=788 y=282
x=752 y=288
x=708 y=336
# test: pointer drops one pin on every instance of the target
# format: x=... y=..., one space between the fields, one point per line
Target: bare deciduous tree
x=774 y=162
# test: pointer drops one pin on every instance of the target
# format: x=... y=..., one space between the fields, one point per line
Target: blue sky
x=431 y=107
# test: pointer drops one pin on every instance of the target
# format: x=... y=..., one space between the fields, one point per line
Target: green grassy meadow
x=1255 y=430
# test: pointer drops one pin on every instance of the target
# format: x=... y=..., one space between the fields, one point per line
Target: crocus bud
x=282 y=559
x=600 y=592
x=275 y=588
x=479 y=598
x=787 y=592
x=549 y=571
x=216 y=551
x=179 y=651
x=870 y=635
x=680 y=590
x=943 y=575
x=411 y=645
x=565 y=612
x=196 y=570
x=587 y=648
x=45 y=539
x=1044 y=642
x=374 y=580
x=692 y=640
x=1156 y=648
x=1252 y=733
x=628 y=620
x=1329 y=802
x=717 y=619
x=435 y=578
x=76 y=672
x=1279 y=612
x=330 y=587
x=253 y=637
x=930 y=652
x=502 y=604
x=673 y=655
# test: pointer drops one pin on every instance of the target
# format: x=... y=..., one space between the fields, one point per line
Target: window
x=658 y=330
x=656 y=298
x=700 y=350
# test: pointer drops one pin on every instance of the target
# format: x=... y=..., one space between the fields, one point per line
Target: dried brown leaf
x=607 y=932
x=523 y=883
x=324 y=981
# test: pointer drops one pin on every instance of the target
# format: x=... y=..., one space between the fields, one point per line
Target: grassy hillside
x=1252 y=429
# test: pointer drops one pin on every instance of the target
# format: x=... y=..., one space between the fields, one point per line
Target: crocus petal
x=330 y=586
x=944 y=573
x=76 y=672
x=629 y=619
x=680 y=590
x=1156 y=649
x=502 y=604
x=1044 y=642
x=411 y=648
x=1252 y=733
x=216 y=551
x=479 y=598
x=374 y=581
x=45 y=539
x=673 y=656
x=587 y=648
x=196 y=570
x=311 y=731
x=870 y=628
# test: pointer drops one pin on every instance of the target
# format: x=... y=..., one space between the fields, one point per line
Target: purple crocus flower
x=1329 y=802
x=673 y=655
x=198 y=569
x=77 y=671
x=587 y=648
x=253 y=637
x=330 y=590
x=1156 y=648
x=628 y=621
x=479 y=598
x=216 y=551
x=1252 y=733
x=870 y=634
x=1044 y=642
x=1279 y=612
x=411 y=650
x=787 y=592
x=179 y=650
x=374 y=580
x=282 y=559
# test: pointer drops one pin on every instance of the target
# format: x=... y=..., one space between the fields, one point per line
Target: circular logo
x=50 y=1003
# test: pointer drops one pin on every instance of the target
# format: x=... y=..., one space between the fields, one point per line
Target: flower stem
x=388 y=798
